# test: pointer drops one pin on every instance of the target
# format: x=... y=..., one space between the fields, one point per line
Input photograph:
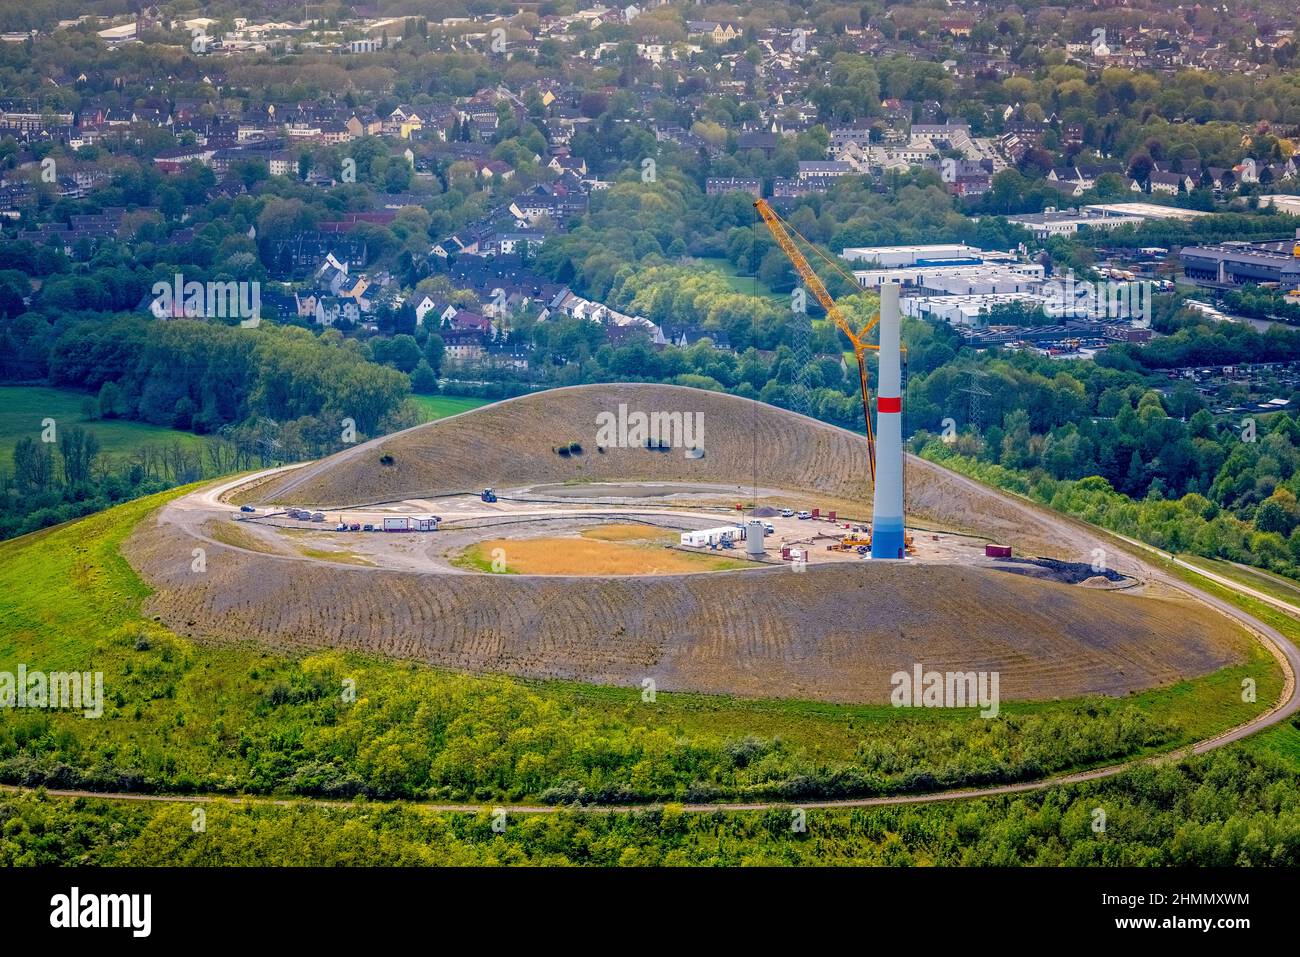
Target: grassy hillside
x=434 y=407
x=22 y=409
x=183 y=716
x=1258 y=579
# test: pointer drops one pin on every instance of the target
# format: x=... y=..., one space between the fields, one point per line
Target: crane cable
x=828 y=261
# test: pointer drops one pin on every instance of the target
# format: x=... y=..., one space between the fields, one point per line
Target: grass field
x=593 y=556
x=22 y=409
x=434 y=407
x=629 y=532
x=181 y=716
x=748 y=285
x=1260 y=580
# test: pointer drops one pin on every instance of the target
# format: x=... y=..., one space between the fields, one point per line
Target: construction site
x=768 y=554
x=577 y=568
x=536 y=518
x=604 y=528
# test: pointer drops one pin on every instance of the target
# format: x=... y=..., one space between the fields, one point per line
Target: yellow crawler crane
x=781 y=231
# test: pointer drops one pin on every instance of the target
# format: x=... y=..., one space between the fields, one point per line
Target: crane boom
x=778 y=228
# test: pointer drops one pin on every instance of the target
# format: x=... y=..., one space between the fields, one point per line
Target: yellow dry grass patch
x=586 y=556
x=629 y=532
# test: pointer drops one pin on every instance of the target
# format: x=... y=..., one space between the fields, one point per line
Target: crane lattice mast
x=781 y=231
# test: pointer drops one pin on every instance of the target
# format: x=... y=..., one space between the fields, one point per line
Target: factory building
x=1052 y=222
x=962 y=280
x=945 y=254
x=1066 y=222
x=1240 y=263
x=966 y=310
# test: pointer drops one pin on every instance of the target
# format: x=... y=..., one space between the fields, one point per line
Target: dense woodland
x=265 y=397
x=425 y=735
x=1227 y=809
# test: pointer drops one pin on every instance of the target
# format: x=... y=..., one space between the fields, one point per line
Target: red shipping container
x=997 y=551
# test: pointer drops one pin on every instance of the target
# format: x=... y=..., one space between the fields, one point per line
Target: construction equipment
x=488 y=495
x=781 y=231
x=854 y=541
x=859 y=540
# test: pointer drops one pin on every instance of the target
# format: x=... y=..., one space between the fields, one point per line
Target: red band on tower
x=889 y=403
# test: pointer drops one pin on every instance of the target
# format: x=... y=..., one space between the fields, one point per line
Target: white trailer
x=400 y=524
x=703 y=538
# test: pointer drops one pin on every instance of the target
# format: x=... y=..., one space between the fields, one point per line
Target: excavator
x=781 y=232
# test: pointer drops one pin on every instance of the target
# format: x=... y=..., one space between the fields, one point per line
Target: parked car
x=367 y=527
x=247 y=508
x=787 y=513
x=341 y=527
x=768 y=528
x=354 y=527
x=805 y=514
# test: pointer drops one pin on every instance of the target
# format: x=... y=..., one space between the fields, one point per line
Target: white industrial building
x=965 y=310
x=887 y=257
x=411 y=523
x=1052 y=222
x=1144 y=210
x=958 y=280
x=1066 y=222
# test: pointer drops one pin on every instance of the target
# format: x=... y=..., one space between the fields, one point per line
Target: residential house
x=721 y=185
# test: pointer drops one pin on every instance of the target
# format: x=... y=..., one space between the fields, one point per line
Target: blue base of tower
x=887 y=538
